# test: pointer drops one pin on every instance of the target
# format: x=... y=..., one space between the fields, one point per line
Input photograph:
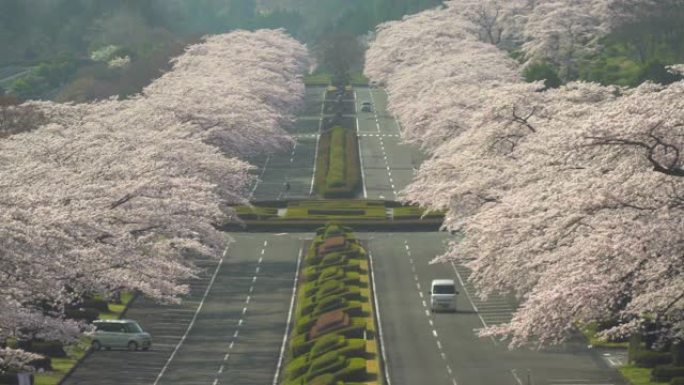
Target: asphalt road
x=234 y=337
x=230 y=329
x=296 y=166
x=388 y=165
x=442 y=348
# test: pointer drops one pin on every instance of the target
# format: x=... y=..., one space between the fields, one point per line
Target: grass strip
x=75 y=352
x=638 y=376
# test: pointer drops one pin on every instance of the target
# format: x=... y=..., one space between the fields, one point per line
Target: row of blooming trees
x=570 y=198
x=120 y=195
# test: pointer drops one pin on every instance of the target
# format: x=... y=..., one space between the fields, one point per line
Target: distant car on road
x=123 y=333
x=443 y=295
x=366 y=107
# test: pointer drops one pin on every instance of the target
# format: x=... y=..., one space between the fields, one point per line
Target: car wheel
x=132 y=346
x=96 y=345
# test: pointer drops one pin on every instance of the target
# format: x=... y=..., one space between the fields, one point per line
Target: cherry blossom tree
x=124 y=194
x=564 y=31
x=568 y=198
x=239 y=90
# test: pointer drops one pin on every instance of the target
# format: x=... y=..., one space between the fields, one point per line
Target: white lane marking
x=424 y=304
x=256 y=184
x=230 y=347
x=220 y=369
x=289 y=318
x=432 y=324
x=434 y=333
x=249 y=297
x=443 y=355
x=235 y=335
x=251 y=289
x=216 y=381
x=318 y=139
x=377 y=313
x=515 y=375
x=254 y=278
x=460 y=280
x=449 y=369
x=257 y=269
x=263 y=251
x=244 y=310
x=226 y=357
x=240 y=322
x=427 y=313
x=194 y=318
x=420 y=293
x=358 y=142
x=418 y=286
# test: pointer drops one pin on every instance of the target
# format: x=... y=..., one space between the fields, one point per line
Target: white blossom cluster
x=570 y=198
x=121 y=194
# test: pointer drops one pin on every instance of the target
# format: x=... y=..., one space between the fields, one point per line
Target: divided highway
x=230 y=328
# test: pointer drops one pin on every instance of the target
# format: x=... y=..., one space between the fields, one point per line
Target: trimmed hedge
x=47 y=348
x=649 y=359
x=328 y=344
x=336 y=176
x=664 y=373
x=338 y=172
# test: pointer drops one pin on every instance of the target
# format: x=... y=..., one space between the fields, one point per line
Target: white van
x=443 y=295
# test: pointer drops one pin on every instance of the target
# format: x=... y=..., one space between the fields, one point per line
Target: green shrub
x=85 y=314
x=338 y=173
x=9 y=379
x=354 y=371
x=677 y=381
x=48 y=348
x=324 y=379
x=337 y=164
x=297 y=367
x=664 y=373
x=300 y=344
x=649 y=359
x=98 y=304
x=678 y=354
x=542 y=71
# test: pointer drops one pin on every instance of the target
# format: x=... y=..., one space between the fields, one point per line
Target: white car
x=123 y=333
x=443 y=295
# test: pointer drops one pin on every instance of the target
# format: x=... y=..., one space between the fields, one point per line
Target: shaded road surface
x=236 y=336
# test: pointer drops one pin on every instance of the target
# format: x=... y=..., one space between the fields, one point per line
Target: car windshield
x=444 y=289
x=133 y=327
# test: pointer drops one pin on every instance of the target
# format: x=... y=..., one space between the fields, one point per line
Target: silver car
x=123 y=333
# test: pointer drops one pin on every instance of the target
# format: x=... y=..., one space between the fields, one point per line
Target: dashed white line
x=235 y=335
x=249 y=297
x=434 y=333
x=194 y=318
x=289 y=318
